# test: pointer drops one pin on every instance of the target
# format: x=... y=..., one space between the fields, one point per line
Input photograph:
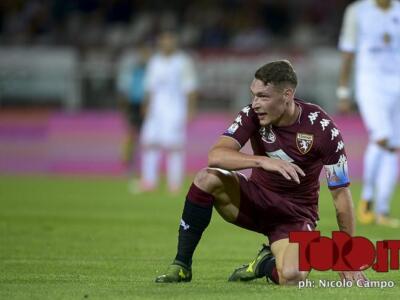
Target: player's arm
x=144 y=106
x=344 y=209
x=343 y=90
x=190 y=85
x=345 y=218
x=346 y=68
x=192 y=103
x=347 y=44
x=149 y=84
x=225 y=154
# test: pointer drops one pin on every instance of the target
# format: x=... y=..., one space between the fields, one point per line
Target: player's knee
x=291 y=275
x=208 y=180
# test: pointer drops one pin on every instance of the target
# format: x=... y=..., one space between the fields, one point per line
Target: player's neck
x=290 y=117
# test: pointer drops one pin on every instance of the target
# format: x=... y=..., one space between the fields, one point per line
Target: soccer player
x=370 y=38
x=130 y=84
x=171 y=87
x=292 y=140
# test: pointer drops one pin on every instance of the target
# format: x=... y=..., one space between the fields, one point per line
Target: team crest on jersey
x=304 y=142
x=267 y=135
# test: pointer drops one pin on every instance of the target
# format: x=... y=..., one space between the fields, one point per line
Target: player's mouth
x=261 y=115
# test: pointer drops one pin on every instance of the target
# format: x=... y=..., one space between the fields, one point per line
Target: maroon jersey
x=312 y=142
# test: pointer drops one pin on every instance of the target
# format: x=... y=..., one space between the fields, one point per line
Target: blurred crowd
x=115 y=24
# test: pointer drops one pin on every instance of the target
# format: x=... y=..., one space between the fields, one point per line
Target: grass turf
x=88 y=238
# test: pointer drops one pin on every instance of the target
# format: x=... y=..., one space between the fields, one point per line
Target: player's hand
x=288 y=170
x=354 y=276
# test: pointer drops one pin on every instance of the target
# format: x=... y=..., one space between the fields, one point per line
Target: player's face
x=167 y=43
x=270 y=103
x=383 y=3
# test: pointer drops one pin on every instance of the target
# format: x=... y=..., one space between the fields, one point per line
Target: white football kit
x=373 y=35
x=169 y=79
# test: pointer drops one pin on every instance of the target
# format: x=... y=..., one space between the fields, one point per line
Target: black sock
x=268 y=268
x=195 y=218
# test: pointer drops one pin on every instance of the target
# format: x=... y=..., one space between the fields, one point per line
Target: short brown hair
x=278 y=73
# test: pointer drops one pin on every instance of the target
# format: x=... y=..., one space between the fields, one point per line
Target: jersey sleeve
x=244 y=126
x=348 y=34
x=333 y=155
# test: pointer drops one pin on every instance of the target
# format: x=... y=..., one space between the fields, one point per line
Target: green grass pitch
x=88 y=238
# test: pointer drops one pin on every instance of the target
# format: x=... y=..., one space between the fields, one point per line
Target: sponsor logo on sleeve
x=246 y=110
x=313 y=116
x=334 y=133
x=340 y=146
x=324 y=123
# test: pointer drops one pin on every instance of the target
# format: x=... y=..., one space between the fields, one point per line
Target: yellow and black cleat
x=387 y=221
x=175 y=273
x=250 y=271
x=364 y=213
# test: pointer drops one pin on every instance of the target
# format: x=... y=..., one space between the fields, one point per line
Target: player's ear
x=288 y=94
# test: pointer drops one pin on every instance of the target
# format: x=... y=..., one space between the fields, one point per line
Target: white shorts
x=169 y=133
x=380 y=110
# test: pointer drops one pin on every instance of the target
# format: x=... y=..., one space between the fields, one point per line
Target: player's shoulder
x=247 y=111
x=315 y=118
x=247 y=115
x=185 y=58
x=358 y=5
x=316 y=122
x=309 y=108
x=396 y=5
x=361 y=3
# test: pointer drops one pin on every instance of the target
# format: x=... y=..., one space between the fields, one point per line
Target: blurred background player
x=370 y=38
x=130 y=84
x=171 y=86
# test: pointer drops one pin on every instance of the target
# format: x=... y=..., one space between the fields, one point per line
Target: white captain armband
x=337 y=174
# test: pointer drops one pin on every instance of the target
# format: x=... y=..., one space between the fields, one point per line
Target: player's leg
x=263 y=265
x=211 y=187
x=128 y=141
x=287 y=262
x=372 y=159
x=373 y=119
x=175 y=169
x=151 y=155
x=281 y=264
x=134 y=119
x=388 y=172
x=386 y=184
x=150 y=166
x=175 y=136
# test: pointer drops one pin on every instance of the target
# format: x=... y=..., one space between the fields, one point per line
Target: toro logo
x=344 y=253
